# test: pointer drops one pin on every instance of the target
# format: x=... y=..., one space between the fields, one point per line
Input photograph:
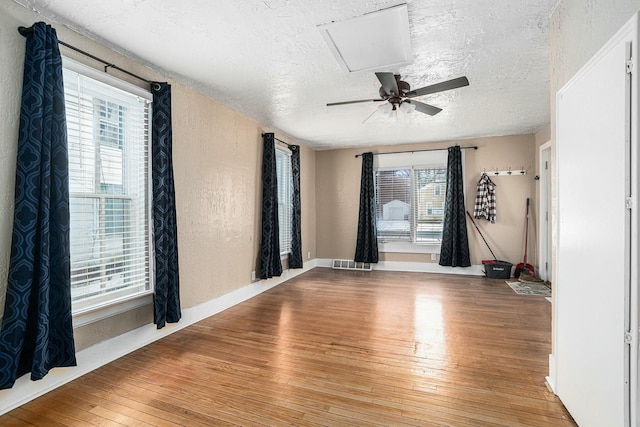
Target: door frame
x=544 y=233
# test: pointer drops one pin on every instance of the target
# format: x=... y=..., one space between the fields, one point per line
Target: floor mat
x=530 y=288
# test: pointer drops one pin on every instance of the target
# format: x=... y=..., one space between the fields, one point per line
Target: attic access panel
x=375 y=41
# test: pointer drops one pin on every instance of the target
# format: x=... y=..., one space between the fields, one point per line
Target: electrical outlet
x=309 y=255
x=434 y=257
x=253 y=275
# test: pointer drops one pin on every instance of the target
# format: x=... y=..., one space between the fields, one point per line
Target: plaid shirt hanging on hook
x=485 y=206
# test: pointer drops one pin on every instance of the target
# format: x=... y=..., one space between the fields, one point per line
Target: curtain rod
x=417 y=151
x=24 y=31
x=285 y=143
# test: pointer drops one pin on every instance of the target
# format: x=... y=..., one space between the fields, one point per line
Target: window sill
x=408 y=247
x=95 y=314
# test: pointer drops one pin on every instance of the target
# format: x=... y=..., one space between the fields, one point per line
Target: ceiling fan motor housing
x=396 y=99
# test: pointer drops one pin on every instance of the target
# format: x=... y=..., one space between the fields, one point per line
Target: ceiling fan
x=399 y=95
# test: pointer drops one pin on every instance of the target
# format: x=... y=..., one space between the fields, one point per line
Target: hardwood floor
x=333 y=347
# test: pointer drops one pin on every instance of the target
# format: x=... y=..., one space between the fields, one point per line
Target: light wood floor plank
x=333 y=348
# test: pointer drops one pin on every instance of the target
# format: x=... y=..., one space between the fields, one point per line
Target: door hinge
x=629 y=66
x=628 y=338
x=628 y=202
x=546 y=165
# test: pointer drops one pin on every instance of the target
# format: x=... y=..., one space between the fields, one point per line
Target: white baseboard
x=100 y=354
x=421 y=267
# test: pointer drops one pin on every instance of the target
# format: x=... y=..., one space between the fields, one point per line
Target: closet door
x=593 y=298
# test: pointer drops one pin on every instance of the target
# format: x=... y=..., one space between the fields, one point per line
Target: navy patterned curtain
x=270 y=264
x=367 y=240
x=37 y=333
x=166 y=298
x=454 y=251
x=295 y=257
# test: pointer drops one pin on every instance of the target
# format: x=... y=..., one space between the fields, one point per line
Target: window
x=410 y=193
x=109 y=187
x=285 y=193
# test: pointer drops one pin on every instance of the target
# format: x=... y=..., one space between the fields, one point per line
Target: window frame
x=414 y=161
x=118 y=301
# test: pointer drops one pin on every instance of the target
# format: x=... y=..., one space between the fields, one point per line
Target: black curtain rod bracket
x=417 y=151
x=279 y=140
x=24 y=31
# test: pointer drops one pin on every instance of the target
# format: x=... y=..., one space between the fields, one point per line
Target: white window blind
x=109 y=184
x=393 y=204
x=285 y=192
x=410 y=197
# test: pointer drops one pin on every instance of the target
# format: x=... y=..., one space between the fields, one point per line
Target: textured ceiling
x=266 y=59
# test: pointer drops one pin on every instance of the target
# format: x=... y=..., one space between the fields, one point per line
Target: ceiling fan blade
x=439 y=87
x=425 y=108
x=376 y=113
x=389 y=83
x=354 y=102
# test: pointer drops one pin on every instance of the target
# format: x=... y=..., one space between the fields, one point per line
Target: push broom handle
x=526 y=232
x=480 y=233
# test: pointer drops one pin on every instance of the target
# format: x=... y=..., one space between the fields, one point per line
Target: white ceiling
x=266 y=59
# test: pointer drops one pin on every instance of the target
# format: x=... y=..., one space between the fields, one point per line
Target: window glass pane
x=429 y=207
x=393 y=204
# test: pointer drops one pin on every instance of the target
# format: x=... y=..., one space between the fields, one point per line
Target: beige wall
x=217 y=165
x=338 y=188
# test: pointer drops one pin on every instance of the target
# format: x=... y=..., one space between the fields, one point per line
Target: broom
x=523 y=267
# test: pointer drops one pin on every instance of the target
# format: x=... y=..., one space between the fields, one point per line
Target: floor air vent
x=345 y=264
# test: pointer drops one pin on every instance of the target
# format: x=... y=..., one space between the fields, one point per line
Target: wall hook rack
x=508 y=172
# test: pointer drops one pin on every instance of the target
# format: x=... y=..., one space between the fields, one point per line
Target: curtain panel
x=295 y=257
x=166 y=298
x=37 y=331
x=367 y=239
x=270 y=263
x=454 y=251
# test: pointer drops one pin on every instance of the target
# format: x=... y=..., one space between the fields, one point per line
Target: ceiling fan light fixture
x=407 y=107
x=387 y=109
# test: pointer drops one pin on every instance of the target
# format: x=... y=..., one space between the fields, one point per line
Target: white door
x=593 y=308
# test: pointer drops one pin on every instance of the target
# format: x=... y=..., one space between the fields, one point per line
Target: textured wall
x=578 y=29
x=217 y=164
x=338 y=189
x=218 y=168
